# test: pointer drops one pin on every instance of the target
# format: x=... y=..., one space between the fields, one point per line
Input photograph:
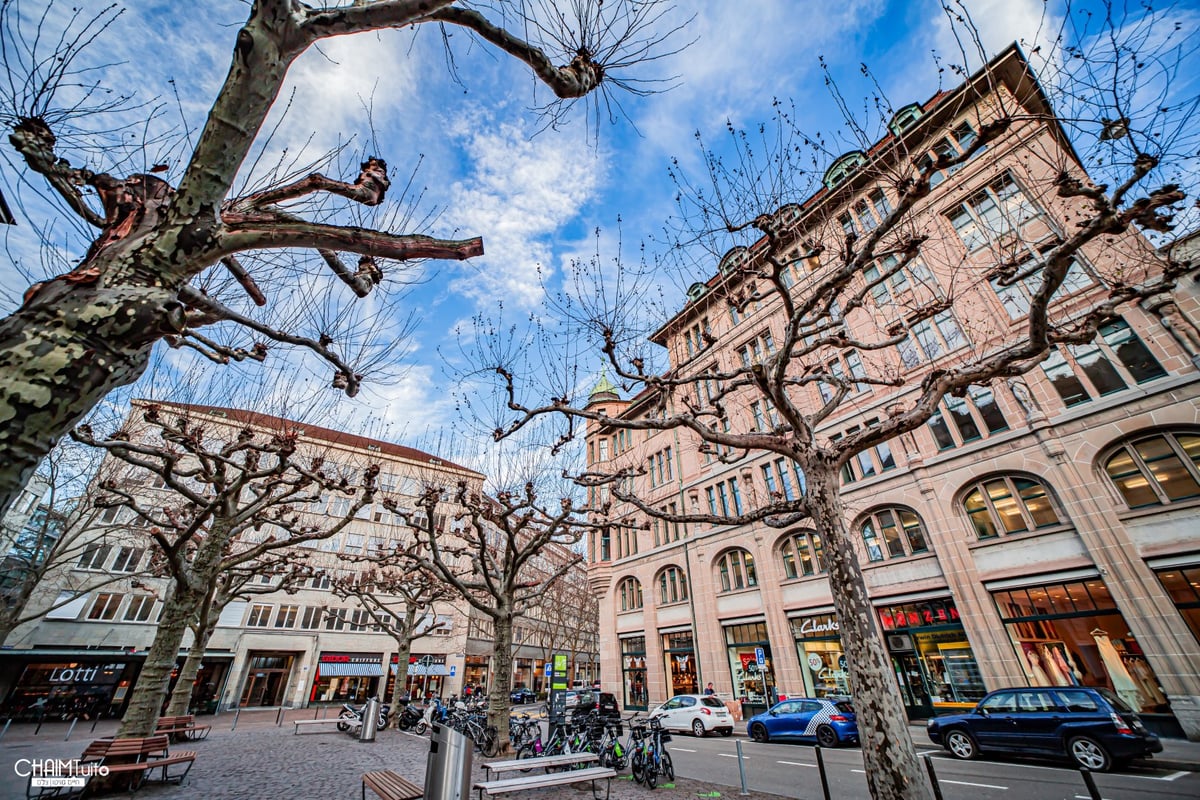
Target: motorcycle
x=410 y=716
x=353 y=716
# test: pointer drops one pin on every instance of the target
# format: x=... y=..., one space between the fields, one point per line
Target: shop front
x=1071 y=633
x=931 y=657
x=750 y=666
x=822 y=658
x=633 y=672
x=71 y=687
x=679 y=653
x=424 y=677
x=1183 y=585
x=206 y=688
x=346 y=678
x=475 y=671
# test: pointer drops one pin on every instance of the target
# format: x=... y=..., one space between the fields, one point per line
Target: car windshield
x=844 y=707
x=712 y=702
x=1114 y=701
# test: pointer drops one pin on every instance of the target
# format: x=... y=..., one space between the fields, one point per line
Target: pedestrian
x=708 y=690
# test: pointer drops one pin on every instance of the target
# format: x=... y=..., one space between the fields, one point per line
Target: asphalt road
x=791 y=770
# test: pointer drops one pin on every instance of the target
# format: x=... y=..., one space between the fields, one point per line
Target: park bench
x=183 y=728
x=390 y=786
x=306 y=723
x=589 y=775
x=571 y=760
x=134 y=760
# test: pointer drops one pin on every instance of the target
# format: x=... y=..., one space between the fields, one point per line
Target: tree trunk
x=181 y=697
x=890 y=760
x=145 y=704
x=398 y=689
x=501 y=683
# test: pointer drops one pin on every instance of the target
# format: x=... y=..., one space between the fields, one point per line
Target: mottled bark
x=893 y=771
x=181 y=695
x=500 y=685
x=146 y=700
x=400 y=689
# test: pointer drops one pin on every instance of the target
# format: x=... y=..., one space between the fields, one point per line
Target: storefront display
x=347 y=677
x=931 y=657
x=679 y=651
x=750 y=667
x=1183 y=584
x=1071 y=634
x=475 y=671
x=424 y=676
x=633 y=672
x=69 y=690
x=822 y=659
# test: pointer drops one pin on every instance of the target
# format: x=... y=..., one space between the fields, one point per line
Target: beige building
x=281 y=648
x=1038 y=531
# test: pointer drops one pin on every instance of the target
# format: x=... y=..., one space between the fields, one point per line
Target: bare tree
x=495 y=557
x=224 y=505
x=885 y=302
x=566 y=619
x=401 y=597
x=79 y=335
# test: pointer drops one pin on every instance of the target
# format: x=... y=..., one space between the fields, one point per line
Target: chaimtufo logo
x=53 y=772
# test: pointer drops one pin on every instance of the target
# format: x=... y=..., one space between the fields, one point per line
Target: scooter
x=434 y=712
x=352 y=716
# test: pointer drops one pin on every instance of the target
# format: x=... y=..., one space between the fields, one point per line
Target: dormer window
x=734 y=259
x=696 y=291
x=905 y=118
x=843 y=168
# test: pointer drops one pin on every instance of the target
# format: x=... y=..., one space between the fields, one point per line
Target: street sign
x=453 y=669
x=760 y=657
x=549 y=668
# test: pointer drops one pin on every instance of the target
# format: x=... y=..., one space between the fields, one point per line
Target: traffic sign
x=760 y=657
x=549 y=668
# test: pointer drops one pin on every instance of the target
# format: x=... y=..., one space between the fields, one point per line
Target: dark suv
x=1094 y=727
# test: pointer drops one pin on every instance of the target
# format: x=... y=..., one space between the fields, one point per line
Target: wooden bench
x=390 y=786
x=494 y=768
x=131 y=759
x=589 y=775
x=352 y=723
x=183 y=728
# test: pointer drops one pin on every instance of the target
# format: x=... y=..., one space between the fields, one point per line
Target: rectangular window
x=985 y=404
x=104 y=606
x=1099 y=370
x=354 y=543
x=259 y=617
x=1063 y=379
x=335 y=619
x=847 y=223
x=880 y=203
x=1131 y=351
x=964 y=134
x=127 y=559
x=140 y=607
x=93 y=556
x=736 y=495
x=968 y=430
x=941 y=433
x=311 y=618
x=285 y=617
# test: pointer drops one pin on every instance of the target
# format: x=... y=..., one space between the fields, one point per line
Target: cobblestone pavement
x=262 y=760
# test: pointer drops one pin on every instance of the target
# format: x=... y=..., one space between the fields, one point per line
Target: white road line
x=795 y=764
x=683 y=749
x=1087 y=797
x=927 y=753
x=980 y=785
x=728 y=755
x=1174 y=777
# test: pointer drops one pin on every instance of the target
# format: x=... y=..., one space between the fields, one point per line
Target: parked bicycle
x=650 y=758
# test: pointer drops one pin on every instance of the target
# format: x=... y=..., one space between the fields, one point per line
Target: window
x=285 y=617
x=1109 y=364
x=893 y=533
x=311 y=618
x=802 y=554
x=841 y=169
x=1009 y=504
x=127 y=559
x=1016 y=297
x=697 y=337
x=724 y=498
x=339 y=506
x=753 y=351
x=140 y=607
x=777 y=477
x=335 y=619
x=1156 y=470
x=964 y=135
x=104 y=606
x=260 y=616
x=93 y=556
x=354 y=543
x=321 y=582
x=630 y=592
x=672 y=586
x=602 y=445
x=660 y=467
x=736 y=570
x=933 y=338
x=992 y=214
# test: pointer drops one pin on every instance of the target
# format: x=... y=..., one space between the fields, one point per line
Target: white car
x=697 y=713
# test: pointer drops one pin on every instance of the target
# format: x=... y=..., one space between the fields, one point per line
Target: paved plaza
x=262 y=760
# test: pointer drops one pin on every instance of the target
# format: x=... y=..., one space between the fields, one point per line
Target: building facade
x=289 y=648
x=1043 y=530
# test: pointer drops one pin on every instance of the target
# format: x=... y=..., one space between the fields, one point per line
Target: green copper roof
x=603 y=386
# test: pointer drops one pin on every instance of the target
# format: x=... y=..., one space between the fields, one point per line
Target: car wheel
x=698 y=728
x=1089 y=753
x=961 y=745
x=758 y=732
x=827 y=736
x=727 y=731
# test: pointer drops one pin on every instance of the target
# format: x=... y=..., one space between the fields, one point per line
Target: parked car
x=1093 y=727
x=697 y=713
x=580 y=698
x=521 y=696
x=606 y=703
x=827 y=721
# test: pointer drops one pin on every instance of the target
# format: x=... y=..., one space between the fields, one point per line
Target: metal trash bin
x=448 y=768
x=370 y=722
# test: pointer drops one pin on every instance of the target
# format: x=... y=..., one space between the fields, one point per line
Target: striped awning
x=334 y=670
x=432 y=669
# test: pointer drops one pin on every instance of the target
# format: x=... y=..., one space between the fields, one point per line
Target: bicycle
x=612 y=753
x=657 y=759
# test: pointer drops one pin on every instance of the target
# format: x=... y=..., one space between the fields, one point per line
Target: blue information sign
x=760 y=657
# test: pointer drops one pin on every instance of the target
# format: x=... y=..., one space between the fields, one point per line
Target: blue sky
x=536 y=199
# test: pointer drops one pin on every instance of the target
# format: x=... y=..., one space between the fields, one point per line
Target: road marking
x=683 y=749
x=1087 y=797
x=927 y=753
x=1174 y=777
x=795 y=764
x=979 y=785
x=727 y=755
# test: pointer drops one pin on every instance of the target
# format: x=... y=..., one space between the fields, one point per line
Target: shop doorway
x=912 y=680
x=266 y=679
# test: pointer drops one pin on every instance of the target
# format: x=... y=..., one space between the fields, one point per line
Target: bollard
x=937 y=789
x=315 y=710
x=236 y=714
x=95 y=720
x=821 y=769
x=279 y=717
x=7 y=722
x=70 y=729
x=1090 y=782
x=741 y=767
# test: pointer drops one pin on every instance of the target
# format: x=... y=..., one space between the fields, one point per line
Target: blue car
x=828 y=721
x=1093 y=727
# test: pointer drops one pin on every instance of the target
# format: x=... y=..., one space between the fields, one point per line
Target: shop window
x=1183 y=586
x=736 y=571
x=750 y=665
x=822 y=658
x=1156 y=470
x=802 y=554
x=1010 y=504
x=672 y=586
x=630 y=592
x=93 y=556
x=679 y=654
x=633 y=672
x=893 y=533
x=104 y=606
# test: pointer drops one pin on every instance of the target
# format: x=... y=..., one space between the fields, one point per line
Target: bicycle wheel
x=651 y=772
x=527 y=751
x=491 y=743
x=668 y=768
x=638 y=766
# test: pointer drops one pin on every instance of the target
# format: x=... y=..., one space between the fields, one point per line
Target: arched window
x=736 y=570
x=630 y=592
x=1010 y=504
x=672 y=586
x=1156 y=470
x=843 y=168
x=905 y=118
x=893 y=533
x=803 y=554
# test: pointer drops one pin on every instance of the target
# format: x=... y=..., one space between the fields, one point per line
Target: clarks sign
x=816 y=626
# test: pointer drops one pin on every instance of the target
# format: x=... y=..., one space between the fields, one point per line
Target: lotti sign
x=73 y=675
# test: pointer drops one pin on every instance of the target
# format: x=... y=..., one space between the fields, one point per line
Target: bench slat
x=540 y=761
x=391 y=786
x=543 y=781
